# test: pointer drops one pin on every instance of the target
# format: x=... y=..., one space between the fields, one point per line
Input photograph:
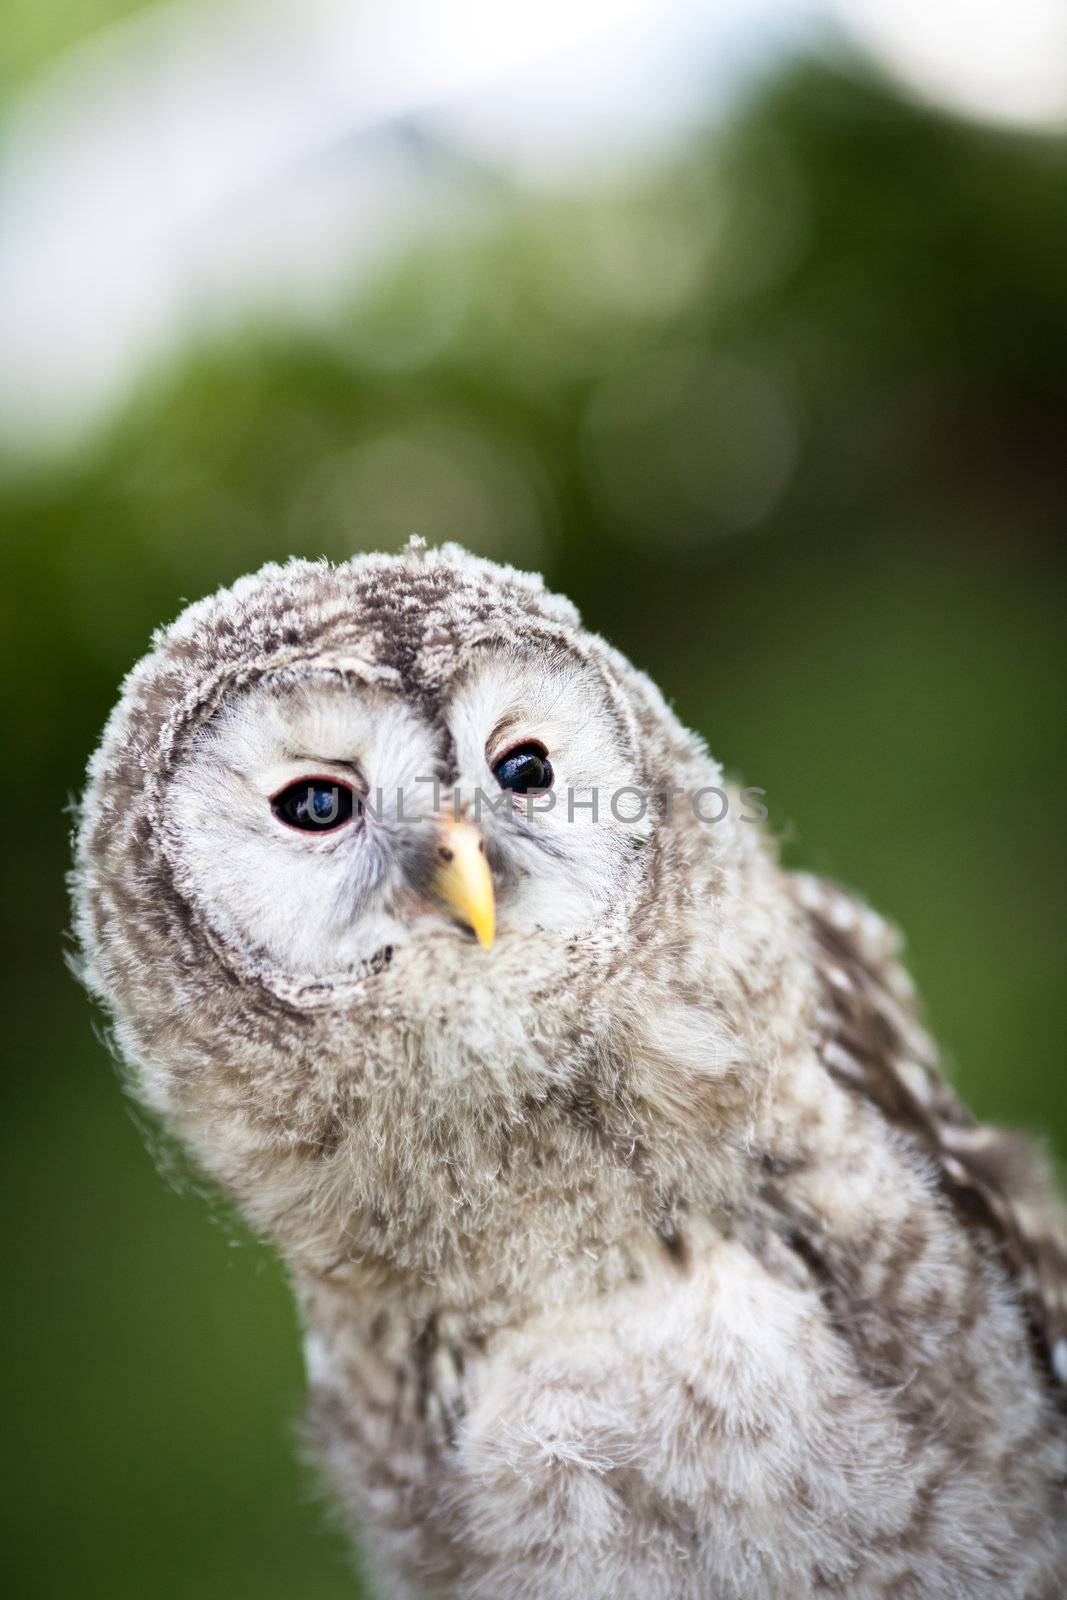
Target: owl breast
x=703 y=1432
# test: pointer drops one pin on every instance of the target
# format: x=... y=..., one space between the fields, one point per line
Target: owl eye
x=524 y=768
x=314 y=805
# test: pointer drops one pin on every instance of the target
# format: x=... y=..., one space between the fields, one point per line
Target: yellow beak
x=462 y=880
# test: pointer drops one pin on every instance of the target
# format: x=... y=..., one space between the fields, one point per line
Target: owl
x=641 y=1250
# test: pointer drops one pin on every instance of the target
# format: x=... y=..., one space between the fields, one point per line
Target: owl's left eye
x=314 y=805
x=523 y=769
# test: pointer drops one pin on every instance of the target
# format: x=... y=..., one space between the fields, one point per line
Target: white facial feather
x=314 y=904
x=321 y=905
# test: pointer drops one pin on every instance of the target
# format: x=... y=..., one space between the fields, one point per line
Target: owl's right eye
x=314 y=805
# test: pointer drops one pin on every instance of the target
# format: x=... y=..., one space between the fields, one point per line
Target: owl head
x=381 y=865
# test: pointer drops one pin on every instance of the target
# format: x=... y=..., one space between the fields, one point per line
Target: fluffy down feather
x=647 y=1255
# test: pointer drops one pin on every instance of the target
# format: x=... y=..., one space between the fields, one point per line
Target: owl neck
x=558 y=1179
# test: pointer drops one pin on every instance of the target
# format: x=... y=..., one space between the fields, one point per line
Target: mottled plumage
x=645 y=1254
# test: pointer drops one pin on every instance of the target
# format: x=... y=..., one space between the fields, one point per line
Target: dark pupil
x=316 y=807
x=524 y=769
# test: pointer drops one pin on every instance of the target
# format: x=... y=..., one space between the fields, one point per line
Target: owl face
x=327 y=819
x=371 y=808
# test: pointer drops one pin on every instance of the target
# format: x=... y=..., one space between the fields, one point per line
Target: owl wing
x=871 y=1042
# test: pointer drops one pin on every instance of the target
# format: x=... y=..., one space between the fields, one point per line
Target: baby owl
x=642 y=1251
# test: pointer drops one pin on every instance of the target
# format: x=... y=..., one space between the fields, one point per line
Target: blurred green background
x=785 y=412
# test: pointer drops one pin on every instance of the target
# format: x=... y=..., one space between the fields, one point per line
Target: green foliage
x=786 y=419
x=33 y=34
